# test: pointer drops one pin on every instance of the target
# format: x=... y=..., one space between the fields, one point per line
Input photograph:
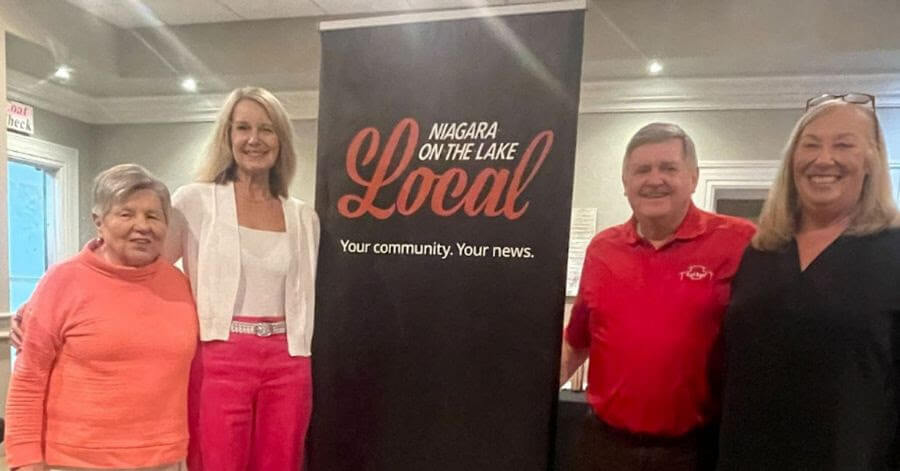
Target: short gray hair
x=115 y=184
x=660 y=132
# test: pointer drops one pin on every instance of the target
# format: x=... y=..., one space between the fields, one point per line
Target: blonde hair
x=219 y=166
x=875 y=210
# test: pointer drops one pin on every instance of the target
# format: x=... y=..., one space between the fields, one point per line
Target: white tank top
x=265 y=259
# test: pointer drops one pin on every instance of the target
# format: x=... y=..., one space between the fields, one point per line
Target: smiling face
x=830 y=161
x=133 y=231
x=254 y=142
x=659 y=181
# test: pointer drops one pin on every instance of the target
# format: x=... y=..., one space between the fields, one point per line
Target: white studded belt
x=259 y=329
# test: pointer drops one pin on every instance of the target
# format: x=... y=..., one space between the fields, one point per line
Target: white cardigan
x=203 y=232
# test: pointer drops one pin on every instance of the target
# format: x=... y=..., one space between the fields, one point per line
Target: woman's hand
x=32 y=467
x=16 y=334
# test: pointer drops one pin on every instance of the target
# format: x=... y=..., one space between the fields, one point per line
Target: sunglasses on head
x=855 y=98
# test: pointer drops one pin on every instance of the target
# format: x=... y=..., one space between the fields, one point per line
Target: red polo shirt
x=651 y=317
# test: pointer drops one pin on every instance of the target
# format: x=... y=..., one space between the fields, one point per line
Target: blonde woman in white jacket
x=250 y=252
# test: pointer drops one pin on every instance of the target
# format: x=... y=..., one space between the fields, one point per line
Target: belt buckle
x=262 y=329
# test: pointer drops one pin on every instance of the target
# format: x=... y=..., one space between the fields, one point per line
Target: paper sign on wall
x=19 y=117
x=581 y=231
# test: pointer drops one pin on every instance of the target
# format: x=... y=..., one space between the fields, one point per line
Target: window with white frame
x=42 y=199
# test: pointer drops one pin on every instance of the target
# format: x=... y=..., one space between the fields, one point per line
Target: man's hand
x=570 y=359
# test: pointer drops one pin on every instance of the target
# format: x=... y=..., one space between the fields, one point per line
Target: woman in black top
x=812 y=338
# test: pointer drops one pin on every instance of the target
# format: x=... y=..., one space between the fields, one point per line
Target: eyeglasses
x=855 y=98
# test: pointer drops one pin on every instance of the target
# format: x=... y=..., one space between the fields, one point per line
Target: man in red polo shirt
x=648 y=312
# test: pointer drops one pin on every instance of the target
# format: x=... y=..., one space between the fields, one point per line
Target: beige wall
x=173 y=151
x=81 y=137
x=719 y=135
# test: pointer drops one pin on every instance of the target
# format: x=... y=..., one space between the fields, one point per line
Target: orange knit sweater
x=102 y=378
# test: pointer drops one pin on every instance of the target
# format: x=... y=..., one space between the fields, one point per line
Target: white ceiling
x=803 y=45
x=143 y=13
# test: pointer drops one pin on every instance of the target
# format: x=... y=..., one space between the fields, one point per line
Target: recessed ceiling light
x=63 y=73
x=654 y=67
x=189 y=84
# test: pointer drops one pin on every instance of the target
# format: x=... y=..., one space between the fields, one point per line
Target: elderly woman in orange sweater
x=103 y=376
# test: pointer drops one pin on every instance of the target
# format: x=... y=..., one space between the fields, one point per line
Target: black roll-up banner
x=446 y=151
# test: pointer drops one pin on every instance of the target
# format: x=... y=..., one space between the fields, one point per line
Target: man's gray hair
x=660 y=132
x=116 y=184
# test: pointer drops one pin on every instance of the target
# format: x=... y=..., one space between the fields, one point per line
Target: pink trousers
x=250 y=404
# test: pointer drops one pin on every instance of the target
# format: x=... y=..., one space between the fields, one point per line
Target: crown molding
x=730 y=93
x=49 y=96
x=447 y=15
x=607 y=96
x=46 y=95
x=300 y=105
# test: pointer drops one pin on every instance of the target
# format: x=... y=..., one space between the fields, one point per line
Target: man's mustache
x=656 y=191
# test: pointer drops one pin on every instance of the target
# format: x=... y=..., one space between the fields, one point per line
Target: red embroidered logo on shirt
x=696 y=273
